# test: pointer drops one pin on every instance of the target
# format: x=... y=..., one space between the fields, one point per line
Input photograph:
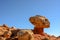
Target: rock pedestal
x=39 y=22
x=38 y=31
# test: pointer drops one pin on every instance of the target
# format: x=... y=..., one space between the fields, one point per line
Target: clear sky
x=17 y=12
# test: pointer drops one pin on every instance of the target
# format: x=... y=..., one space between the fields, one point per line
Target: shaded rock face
x=25 y=35
x=14 y=33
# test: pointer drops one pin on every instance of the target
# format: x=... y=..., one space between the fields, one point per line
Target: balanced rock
x=39 y=22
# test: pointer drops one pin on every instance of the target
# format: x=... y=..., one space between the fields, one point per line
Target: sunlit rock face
x=39 y=22
x=7 y=33
x=3 y=29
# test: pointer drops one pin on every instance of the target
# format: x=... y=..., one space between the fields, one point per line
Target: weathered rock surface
x=7 y=33
x=39 y=22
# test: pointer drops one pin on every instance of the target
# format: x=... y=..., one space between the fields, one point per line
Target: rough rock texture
x=39 y=22
x=12 y=33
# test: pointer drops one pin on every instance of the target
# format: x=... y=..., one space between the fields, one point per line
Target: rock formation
x=24 y=35
x=39 y=22
x=7 y=33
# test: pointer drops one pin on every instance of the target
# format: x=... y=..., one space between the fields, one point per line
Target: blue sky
x=17 y=12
